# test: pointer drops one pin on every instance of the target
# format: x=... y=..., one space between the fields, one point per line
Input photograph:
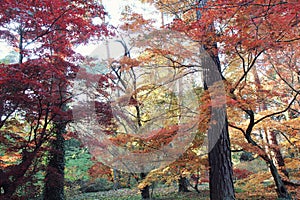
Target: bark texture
x=54 y=181
x=220 y=173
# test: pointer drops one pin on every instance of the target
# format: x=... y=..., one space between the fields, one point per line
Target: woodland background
x=254 y=46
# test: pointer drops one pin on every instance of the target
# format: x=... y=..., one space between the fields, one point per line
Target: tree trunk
x=220 y=173
x=117 y=184
x=270 y=134
x=278 y=158
x=281 y=189
x=129 y=181
x=54 y=181
x=183 y=184
x=145 y=192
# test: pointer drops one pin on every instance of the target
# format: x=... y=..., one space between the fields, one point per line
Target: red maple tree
x=34 y=91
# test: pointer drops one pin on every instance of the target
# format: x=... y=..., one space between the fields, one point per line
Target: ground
x=163 y=193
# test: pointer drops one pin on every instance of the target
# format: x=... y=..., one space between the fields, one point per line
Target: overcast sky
x=114 y=9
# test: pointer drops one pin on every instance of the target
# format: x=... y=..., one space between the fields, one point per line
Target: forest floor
x=163 y=193
x=257 y=187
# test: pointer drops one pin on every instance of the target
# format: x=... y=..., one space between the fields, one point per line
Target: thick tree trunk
x=220 y=173
x=183 y=184
x=54 y=181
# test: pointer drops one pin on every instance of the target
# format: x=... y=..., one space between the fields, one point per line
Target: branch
x=287 y=138
x=49 y=28
x=247 y=71
x=279 y=112
x=237 y=150
x=238 y=128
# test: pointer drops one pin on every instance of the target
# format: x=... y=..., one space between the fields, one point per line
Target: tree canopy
x=210 y=95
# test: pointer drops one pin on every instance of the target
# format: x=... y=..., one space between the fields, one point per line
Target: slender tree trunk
x=183 y=184
x=270 y=134
x=282 y=191
x=280 y=186
x=117 y=184
x=278 y=158
x=129 y=181
x=54 y=185
x=145 y=192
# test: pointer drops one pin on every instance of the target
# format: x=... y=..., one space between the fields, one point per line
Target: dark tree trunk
x=129 y=181
x=220 y=173
x=145 y=192
x=282 y=192
x=183 y=184
x=54 y=181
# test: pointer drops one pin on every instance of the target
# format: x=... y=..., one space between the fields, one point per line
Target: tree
x=148 y=111
x=36 y=88
x=221 y=182
x=32 y=109
x=246 y=33
x=253 y=29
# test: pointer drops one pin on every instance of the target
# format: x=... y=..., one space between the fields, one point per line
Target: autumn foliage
x=34 y=91
x=254 y=43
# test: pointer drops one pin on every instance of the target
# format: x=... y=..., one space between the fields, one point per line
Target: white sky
x=4 y=49
x=114 y=9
